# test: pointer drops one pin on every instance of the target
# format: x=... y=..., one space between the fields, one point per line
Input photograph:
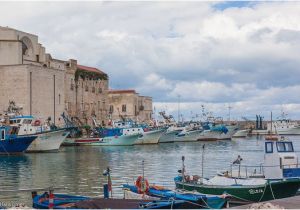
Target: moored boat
x=278 y=177
x=48 y=139
x=11 y=143
x=123 y=140
x=150 y=137
x=189 y=135
x=170 y=134
x=241 y=133
x=203 y=201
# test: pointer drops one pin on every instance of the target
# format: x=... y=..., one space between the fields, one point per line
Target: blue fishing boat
x=11 y=143
x=57 y=201
x=63 y=201
x=203 y=201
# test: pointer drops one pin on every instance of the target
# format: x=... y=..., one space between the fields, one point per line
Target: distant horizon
x=239 y=54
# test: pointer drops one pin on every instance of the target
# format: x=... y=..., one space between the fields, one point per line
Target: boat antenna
x=143 y=167
x=202 y=162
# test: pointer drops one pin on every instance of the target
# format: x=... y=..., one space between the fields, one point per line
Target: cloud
x=206 y=52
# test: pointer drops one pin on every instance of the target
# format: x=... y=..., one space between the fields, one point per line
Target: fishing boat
x=64 y=201
x=188 y=135
x=150 y=136
x=241 y=133
x=48 y=139
x=278 y=177
x=56 y=201
x=11 y=143
x=203 y=201
x=218 y=132
x=170 y=135
x=109 y=139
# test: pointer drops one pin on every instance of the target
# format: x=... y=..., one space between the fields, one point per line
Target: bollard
x=51 y=199
x=105 y=191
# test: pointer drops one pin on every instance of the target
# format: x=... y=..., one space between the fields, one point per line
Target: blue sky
x=242 y=54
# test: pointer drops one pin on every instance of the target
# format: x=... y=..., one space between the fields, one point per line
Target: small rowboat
x=200 y=200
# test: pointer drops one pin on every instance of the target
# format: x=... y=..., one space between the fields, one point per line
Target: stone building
x=128 y=104
x=46 y=87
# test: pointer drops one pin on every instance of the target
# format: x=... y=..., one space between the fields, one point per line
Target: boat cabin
x=280 y=160
x=6 y=132
x=28 y=125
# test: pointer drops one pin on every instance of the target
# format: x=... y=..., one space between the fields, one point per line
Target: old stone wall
x=39 y=91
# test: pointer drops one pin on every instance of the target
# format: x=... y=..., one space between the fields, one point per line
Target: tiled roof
x=90 y=69
x=121 y=91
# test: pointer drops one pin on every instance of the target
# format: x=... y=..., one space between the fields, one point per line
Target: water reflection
x=79 y=169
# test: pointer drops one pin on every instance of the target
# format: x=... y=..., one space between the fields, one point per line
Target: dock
x=284 y=203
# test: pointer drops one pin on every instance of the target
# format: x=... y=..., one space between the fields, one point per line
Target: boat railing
x=246 y=171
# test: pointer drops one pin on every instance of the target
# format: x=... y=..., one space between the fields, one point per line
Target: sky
x=243 y=55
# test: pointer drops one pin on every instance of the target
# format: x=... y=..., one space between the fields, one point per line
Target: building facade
x=128 y=104
x=46 y=87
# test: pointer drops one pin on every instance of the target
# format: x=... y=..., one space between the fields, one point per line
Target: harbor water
x=79 y=169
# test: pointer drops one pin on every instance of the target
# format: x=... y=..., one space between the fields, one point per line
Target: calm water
x=80 y=169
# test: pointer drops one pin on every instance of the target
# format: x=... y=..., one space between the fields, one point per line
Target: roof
x=120 y=91
x=90 y=69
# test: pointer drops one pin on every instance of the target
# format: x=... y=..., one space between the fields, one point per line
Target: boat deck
x=285 y=203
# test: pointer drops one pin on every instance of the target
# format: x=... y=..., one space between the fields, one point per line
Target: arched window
x=27 y=48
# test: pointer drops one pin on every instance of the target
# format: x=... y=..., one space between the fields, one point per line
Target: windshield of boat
x=284 y=146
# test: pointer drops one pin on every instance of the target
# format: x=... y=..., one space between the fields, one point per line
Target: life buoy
x=37 y=123
x=142 y=185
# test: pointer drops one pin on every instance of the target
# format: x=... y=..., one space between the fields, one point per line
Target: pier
x=285 y=203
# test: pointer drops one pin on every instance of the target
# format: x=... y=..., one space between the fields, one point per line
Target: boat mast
x=202 y=163
x=183 y=168
x=271 y=123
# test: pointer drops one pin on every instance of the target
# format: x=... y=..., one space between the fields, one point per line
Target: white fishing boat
x=48 y=139
x=170 y=134
x=221 y=132
x=150 y=137
x=188 y=135
x=123 y=140
x=241 y=133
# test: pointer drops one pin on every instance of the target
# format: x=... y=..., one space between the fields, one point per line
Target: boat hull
x=188 y=136
x=16 y=145
x=241 y=134
x=169 y=136
x=48 y=141
x=150 y=137
x=290 y=131
x=247 y=193
x=127 y=140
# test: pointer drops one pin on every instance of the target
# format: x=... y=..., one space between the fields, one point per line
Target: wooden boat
x=278 y=177
x=63 y=201
x=243 y=193
x=203 y=201
x=11 y=143
x=123 y=140
x=56 y=201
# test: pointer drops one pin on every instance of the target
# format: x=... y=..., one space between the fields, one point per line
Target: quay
x=284 y=203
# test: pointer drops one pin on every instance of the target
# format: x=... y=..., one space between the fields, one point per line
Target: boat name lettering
x=255 y=191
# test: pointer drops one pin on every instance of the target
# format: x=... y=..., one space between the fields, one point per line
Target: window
x=269 y=147
x=289 y=147
x=280 y=146
x=2 y=134
x=93 y=89
x=100 y=90
x=285 y=147
x=124 y=108
x=111 y=109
